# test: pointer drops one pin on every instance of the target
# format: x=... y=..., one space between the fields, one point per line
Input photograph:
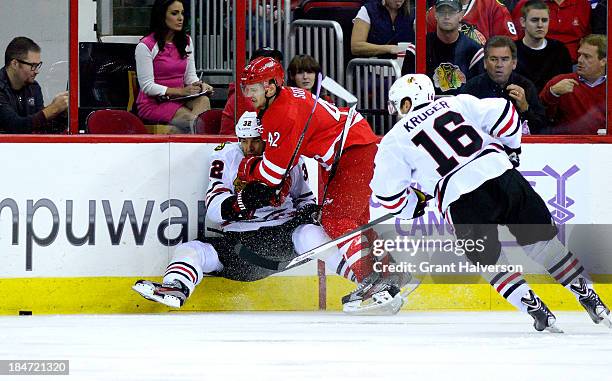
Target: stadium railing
x=369 y=79
x=322 y=40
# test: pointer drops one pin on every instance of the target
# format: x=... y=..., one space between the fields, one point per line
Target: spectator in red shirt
x=227 y=118
x=569 y=22
x=576 y=102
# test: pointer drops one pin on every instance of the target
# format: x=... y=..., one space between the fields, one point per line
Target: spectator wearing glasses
x=22 y=109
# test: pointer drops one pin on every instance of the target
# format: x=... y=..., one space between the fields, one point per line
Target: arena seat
x=102 y=73
x=209 y=122
x=114 y=122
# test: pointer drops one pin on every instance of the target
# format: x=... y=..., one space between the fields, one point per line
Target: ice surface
x=311 y=346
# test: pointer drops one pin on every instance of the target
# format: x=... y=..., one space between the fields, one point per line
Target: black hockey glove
x=242 y=206
x=230 y=211
x=310 y=214
x=513 y=155
x=255 y=195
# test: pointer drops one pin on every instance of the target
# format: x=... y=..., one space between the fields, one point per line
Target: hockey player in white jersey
x=463 y=151
x=269 y=233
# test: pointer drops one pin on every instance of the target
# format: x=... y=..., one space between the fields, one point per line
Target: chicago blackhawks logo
x=448 y=77
x=470 y=31
x=239 y=185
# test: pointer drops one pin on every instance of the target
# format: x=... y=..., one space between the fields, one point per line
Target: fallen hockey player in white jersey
x=254 y=236
x=275 y=232
x=464 y=151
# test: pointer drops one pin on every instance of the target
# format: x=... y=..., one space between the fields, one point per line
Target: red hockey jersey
x=284 y=121
x=490 y=17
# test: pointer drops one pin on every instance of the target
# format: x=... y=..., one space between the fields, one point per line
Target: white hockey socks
x=510 y=285
x=309 y=236
x=561 y=263
x=190 y=261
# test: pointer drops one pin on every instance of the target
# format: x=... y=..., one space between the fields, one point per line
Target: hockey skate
x=380 y=294
x=592 y=303
x=171 y=294
x=543 y=319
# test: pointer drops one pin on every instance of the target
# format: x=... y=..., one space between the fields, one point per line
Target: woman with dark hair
x=166 y=70
x=380 y=25
x=303 y=70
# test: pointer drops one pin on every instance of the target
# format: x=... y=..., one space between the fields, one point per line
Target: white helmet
x=248 y=126
x=417 y=87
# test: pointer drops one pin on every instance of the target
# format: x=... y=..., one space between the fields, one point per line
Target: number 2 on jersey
x=452 y=137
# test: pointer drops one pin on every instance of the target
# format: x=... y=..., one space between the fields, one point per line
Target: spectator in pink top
x=166 y=70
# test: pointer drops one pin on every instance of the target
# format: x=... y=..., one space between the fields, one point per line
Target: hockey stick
x=339 y=91
x=337 y=154
x=317 y=252
x=301 y=139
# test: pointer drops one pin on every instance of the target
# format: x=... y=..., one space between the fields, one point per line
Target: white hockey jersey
x=449 y=147
x=223 y=183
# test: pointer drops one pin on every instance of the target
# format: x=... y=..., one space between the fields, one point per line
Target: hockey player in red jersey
x=488 y=17
x=284 y=113
x=464 y=151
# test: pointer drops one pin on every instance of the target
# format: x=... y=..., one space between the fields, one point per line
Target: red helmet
x=263 y=69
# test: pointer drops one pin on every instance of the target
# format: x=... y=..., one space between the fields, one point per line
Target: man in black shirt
x=452 y=57
x=500 y=81
x=540 y=58
x=22 y=108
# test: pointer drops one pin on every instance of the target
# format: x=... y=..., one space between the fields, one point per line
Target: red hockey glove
x=246 y=168
x=278 y=199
